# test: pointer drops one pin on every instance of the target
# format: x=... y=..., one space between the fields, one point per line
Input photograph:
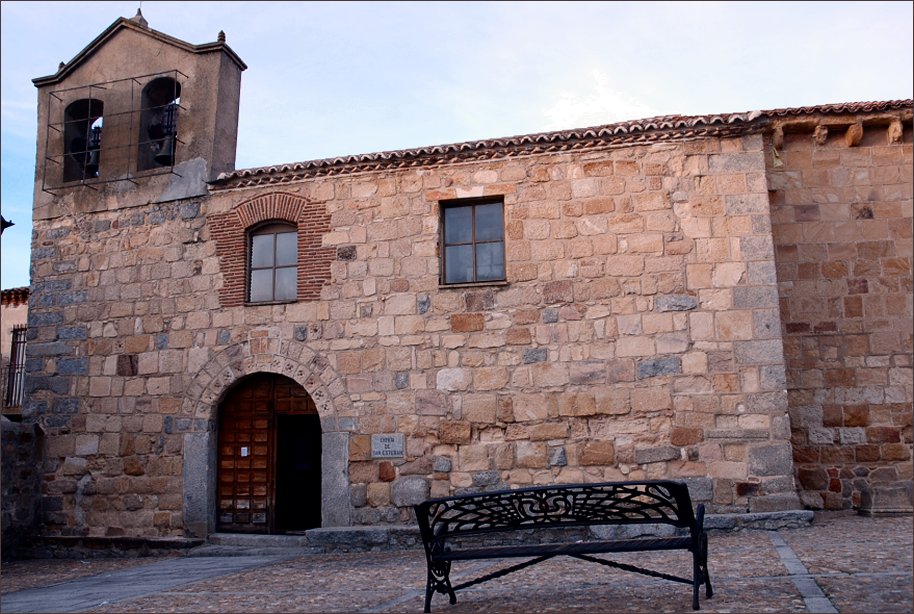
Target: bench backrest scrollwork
x=566 y=505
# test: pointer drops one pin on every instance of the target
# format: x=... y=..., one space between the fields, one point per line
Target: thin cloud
x=596 y=105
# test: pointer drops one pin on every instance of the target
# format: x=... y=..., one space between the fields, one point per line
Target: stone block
x=479 y=301
x=668 y=365
x=558 y=457
x=490 y=378
x=651 y=399
x=734 y=325
x=558 y=292
x=550 y=374
x=547 y=431
x=759 y=352
x=680 y=436
x=672 y=343
x=887 y=499
x=675 y=302
x=528 y=407
x=597 y=453
x=378 y=494
x=883 y=434
x=454 y=432
x=587 y=372
x=474 y=458
x=695 y=363
x=86 y=444
x=532 y=355
x=530 y=454
x=479 y=408
x=632 y=346
x=774 y=503
x=467 y=322
x=363 y=472
x=700 y=489
x=813 y=478
x=453 y=379
x=771 y=460
x=442 y=464
x=755 y=297
x=646 y=456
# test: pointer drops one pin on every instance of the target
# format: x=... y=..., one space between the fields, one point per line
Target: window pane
x=490 y=261
x=458 y=264
x=458 y=225
x=286 y=248
x=261 y=285
x=285 y=284
x=488 y=222
x=261 y=251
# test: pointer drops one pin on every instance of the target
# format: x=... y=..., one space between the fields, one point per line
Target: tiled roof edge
x=15 y=296
x=650 y=130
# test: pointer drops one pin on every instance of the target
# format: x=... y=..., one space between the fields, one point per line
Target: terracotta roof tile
x=650 y=130
x=15 y=296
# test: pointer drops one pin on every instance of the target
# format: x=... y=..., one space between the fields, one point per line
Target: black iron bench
x=481 y=526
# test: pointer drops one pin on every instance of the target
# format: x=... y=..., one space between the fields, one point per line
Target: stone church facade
x=720 y=299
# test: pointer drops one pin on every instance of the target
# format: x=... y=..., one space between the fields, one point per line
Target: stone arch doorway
x=268 y=457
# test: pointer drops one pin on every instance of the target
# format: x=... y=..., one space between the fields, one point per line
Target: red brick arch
x=229 y=231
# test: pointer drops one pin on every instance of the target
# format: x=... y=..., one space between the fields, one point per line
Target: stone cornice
x=123 y=23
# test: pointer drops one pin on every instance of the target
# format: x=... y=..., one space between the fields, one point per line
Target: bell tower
x=137 y=117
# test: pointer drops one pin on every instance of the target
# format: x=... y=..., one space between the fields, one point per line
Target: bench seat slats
x=584 y=547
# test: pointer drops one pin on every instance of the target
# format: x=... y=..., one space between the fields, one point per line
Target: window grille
x=16 y=371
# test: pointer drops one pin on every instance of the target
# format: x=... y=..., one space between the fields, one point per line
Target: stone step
x=332 y=539
x=401 y=537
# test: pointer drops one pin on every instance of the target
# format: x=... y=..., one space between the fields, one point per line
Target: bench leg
x=438 y=580
x=703 y=562
x=700 y=571
x=696 y=581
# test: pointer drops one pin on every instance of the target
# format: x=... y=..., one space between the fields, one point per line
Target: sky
x=327 y=79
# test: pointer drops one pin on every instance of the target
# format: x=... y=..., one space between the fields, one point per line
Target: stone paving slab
x=841 y=563
x=118 y=586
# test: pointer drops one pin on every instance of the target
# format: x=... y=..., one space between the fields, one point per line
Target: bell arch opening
x=161 y=101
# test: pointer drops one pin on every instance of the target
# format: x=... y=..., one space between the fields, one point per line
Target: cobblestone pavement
x=841 y=563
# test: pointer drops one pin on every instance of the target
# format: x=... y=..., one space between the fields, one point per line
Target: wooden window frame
x=274 y=228
x=473 y=203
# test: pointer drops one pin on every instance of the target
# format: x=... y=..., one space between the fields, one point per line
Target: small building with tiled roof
x=14 y=309
x=721 y=299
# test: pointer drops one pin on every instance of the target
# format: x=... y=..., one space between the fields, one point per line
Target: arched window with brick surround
x=234 y=232
x=272 y=263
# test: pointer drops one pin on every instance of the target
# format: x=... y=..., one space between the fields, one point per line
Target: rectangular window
x=16 y=372
x=273 y=264
x=472 y=241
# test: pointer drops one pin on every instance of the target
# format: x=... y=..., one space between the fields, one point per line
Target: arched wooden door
x=269 y=457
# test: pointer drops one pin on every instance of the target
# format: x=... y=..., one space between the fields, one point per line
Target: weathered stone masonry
x=662 y=316
x=560 y=375
x=841 y=208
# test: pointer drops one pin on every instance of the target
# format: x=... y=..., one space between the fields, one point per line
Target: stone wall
x=21 y=495
x=637 y=336
x=842 y=216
